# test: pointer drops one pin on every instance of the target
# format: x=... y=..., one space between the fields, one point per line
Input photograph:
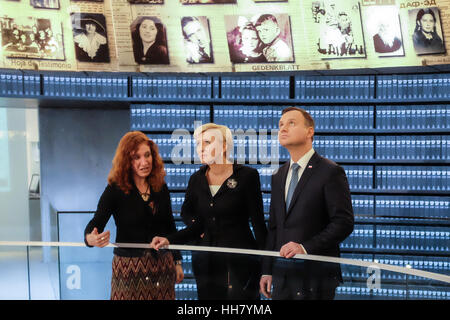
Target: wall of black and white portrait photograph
x=148 y=36
x=259 y=38
x=337 y=29
x=383 y=26
x=427 y=34
x=45 y=4
x=32 y=38
x=197 y=39
x=90 y=37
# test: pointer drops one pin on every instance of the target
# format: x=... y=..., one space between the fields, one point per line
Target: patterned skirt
x=150 y=277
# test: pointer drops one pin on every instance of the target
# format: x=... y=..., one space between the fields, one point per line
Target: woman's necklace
x=146 y=194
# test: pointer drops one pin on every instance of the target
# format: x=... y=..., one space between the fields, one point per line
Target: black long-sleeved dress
x=224 y=219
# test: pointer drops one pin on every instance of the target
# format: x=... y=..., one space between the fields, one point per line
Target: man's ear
x=310 y=132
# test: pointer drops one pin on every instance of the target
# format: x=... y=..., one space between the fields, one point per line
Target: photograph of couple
x=260 y=38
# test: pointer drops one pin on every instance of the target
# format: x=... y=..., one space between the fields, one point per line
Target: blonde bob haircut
x=227 y=137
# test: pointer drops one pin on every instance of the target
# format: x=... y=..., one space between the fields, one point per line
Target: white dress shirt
x=302 y=162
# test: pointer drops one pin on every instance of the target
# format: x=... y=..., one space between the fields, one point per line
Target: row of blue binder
x=259 y=118
x=79 y=85
x=413 y=148
x=268 y=117
x=171 y=87
x=419 y=117
x=310 y=88
x=11 y=83
x=412 y=206
x=420 y=238
x=413 y=86
x=416 y=178
x=148 y=117
x=255 y=87
x=430 y=264
x=389 y=292
x=340 y=148
x=307 y=88
x=414 y=238
x=186 y=290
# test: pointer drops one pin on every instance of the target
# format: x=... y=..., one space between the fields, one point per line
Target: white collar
x=303 y=161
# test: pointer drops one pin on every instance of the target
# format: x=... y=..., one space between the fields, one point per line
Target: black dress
x=156 y=54
x=422 y=45
x=224 y=220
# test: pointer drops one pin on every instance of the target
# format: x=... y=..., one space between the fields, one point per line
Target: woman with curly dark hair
x=139 y=200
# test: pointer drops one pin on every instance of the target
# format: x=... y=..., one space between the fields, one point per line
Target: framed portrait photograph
x=90 y=37
x=146 y=1
x=148 y=36
x=207 y=1
x=45 y=4
x=383 y=26
x=32 y=38
x=197 y=39
x=337 y=29
x=427 y=34
x=259 y=38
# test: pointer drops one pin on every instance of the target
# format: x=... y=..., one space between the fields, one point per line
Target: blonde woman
x=221 y=199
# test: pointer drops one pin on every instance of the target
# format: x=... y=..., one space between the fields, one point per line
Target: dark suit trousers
x=302 y=280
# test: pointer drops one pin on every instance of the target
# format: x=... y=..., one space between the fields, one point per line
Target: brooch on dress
x=231 y=183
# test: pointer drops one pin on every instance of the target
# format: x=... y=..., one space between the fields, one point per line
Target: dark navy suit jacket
x=320 y=215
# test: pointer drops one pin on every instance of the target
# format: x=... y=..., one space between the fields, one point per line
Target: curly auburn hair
x=121 y=171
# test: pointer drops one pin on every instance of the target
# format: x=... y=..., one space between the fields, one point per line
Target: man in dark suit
x=310 y=213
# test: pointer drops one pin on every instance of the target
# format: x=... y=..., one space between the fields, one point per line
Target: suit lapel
x=312 y=165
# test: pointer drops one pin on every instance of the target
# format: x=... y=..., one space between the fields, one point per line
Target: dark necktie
x=292 y=184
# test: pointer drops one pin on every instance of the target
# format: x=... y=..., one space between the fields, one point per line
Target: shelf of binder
x=171 y=87
x=151 y=118
x=85 y=85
